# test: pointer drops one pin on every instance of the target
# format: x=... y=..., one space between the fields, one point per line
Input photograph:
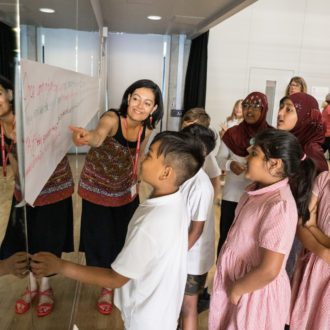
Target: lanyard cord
x=137 y=151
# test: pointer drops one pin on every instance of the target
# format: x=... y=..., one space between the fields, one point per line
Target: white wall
x=270 y=40
x=133 y=57
x=70 y=49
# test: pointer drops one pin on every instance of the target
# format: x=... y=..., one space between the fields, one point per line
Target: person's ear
x=166 y=173
x=275 y=166
x=128 y=98
x=154 y=109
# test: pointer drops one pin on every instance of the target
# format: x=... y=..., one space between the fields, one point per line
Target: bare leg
x=189 y=312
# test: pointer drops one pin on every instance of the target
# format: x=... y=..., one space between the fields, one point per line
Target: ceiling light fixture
x=154 y=17
x=47 y=10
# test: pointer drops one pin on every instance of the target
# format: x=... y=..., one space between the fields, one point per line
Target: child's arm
x=216 y=186
x=312 y=244
x=95 y=138
x=320 y=236
x=311 y=226
x=259 y=277
x=195 y=231
x=45 y=263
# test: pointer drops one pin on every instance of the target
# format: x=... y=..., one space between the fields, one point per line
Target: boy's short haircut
x=205 y=135
x=180 y=152
x=197 y=115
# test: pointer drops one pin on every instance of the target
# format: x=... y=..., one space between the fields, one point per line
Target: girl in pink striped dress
x=251 y=288
x=311 y=279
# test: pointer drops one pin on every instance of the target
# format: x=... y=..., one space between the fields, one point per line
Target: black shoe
x=203 y=301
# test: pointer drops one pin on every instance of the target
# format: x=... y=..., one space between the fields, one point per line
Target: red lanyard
x=137 y=151
x=3 y=151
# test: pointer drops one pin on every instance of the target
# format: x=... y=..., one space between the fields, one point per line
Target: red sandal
x=105 y=307
x=46 y=308
x=21 y=306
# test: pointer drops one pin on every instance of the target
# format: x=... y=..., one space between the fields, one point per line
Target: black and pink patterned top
x=58 y=187
x=107 y=176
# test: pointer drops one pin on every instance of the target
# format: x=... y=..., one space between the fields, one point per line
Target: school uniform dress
x=198 y=196
x=311 y=280
x=108 y=204
x=49 y=221
x=265 y=218
x=154 y=258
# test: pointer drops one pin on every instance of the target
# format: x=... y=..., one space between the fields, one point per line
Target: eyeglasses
x=253 y=106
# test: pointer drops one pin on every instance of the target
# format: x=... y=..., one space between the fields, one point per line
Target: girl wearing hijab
x=300 y=115
x=232 y=154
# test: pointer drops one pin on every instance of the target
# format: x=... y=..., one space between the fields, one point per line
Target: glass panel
x=12 y=227
x=53 y=224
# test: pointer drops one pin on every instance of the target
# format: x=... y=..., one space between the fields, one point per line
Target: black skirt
x=103 y=231
x=49 y=228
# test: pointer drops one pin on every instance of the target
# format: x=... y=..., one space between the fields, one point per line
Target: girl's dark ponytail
x=300 y=171
x=301 y=186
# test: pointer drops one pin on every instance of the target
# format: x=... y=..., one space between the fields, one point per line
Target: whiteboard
x=52 y=99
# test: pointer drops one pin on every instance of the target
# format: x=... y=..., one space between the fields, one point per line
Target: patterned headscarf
x=237 y=138
x=309 y=128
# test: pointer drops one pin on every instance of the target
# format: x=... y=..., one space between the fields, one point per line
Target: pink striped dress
x=265 y=218
x=311 y=302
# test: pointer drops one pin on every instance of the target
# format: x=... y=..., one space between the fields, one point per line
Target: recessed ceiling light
x=154 y=17
x=47 y=10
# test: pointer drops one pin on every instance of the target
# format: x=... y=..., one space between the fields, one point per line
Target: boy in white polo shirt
x=198 y=193
x=151 y=269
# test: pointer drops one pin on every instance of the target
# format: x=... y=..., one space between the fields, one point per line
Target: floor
x=74 y=302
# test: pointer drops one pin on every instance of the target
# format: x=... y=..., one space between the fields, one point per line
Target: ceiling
x=190 y=17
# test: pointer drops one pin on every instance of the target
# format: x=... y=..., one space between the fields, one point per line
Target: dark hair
x=5 y=83
x=204 y=135
x=157 y=115
x=197 y=114
x=180 y=152
x=300 y=170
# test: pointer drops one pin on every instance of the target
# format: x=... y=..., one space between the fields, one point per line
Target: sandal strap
x=29 y=292
x=48 y=292
x=106 y=291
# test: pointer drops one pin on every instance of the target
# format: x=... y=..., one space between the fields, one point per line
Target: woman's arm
x=259 y=277
x=45 y=263
x=107 y=125
x=227 y=164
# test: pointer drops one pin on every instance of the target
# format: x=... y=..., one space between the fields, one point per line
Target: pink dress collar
x=252 y=191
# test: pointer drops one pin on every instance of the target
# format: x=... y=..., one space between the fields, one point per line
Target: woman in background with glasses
x=232 y=153
x=296 y=85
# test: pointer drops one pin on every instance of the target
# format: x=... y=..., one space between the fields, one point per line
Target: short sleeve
x=277 y=228
x=320 y=182
x=211 y=167
x=199 y=199
x=222 y=156
x=137 y=255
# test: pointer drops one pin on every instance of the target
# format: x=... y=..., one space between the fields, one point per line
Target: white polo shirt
x=154 y=257
x=198 y=194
